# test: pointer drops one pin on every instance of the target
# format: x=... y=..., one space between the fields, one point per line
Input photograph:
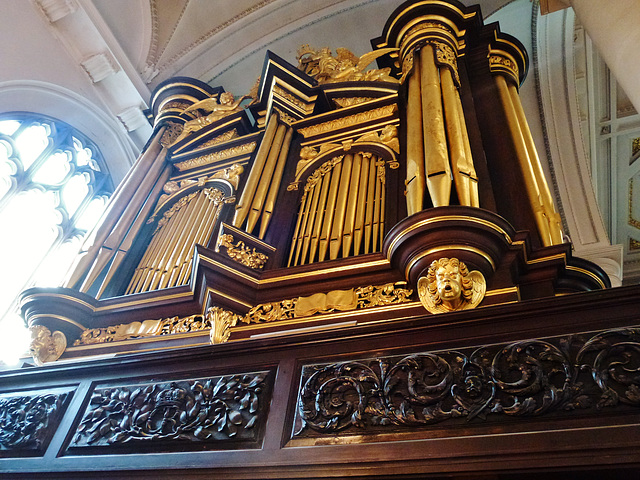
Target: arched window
x=53 y=189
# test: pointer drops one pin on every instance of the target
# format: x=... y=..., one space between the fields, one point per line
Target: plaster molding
x=55 y=10
x=566 y=150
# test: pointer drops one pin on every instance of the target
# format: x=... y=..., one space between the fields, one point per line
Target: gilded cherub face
x=449 y=283
x=226 y=98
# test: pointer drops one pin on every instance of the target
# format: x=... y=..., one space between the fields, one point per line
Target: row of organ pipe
x=342 y=210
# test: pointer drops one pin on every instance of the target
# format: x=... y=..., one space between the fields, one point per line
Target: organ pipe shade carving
x=342 y=210
x=167 y=260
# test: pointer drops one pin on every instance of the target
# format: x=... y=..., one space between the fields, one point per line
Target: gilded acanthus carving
x=501 y=63
x=150 y=328
x=344 y=67
x=204 y=410
x=241 y=253
x=449 y=286
x=343 y=102
x=45 y=346
x=336 y=300
x=348 y=121
x=521 y=379
x=226 y=136
x=221 y=322
x=446 y=56
x=29 y=421
x=171 y=133
x=238 y=150
x=281 y=92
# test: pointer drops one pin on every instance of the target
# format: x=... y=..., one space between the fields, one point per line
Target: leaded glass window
x=53 y=189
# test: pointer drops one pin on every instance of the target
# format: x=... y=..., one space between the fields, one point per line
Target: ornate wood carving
x=211 y=409
x=27 y=422
x=521 y=379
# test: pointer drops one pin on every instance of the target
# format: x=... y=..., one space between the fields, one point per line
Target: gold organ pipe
x=265 y=179
x=382 y=200
x=135 y=229
x=173 y=242
x=362 y=202
x=310 y=223
x=524 y=161
x=246 y=199
x=185 y=239
x=320 y=216
x=350 y=215
x=376 y=209
x=303 y=225
x=340 y=211
x=436 y=158
x=330 y=211
x=475 y=198
x=203 y=235
x=159 y=252
x=111 y=243
x=296 y=238
x=270 y=202
x=415 y=182
x=368 y=222
x=119 y=201
x=555 y=223
x=140 y=274
x=461 y=165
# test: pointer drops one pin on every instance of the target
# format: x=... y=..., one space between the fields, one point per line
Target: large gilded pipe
x=368 y=217
x=111 y=243
x=555 y=223
x=464 y=174
x=246 y=199
x=341 y=206
x=265 y=179
x=295 y=241
x=139 y=222
x=524 y=161
x=350 y=214
x=320 y=216
x=415 y=182
x=306 y=240
x=358 y=229
x=270 y=201
x=436 y=156
x=330 y=211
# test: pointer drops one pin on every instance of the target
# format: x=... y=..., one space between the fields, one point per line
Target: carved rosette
x=27 y=422
x=521 y=379
x=205 y=410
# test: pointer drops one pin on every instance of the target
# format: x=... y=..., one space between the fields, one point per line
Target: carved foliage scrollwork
x=203 y=410
x=241 y=253
x=28 y=422
x=527 y=378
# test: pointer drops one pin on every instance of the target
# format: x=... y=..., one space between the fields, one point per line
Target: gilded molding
x=285 y=117
x=552 y=376
x=151 y=328
x=348 y=121
x=228 y=135
x=634 y=244
x=45 y=346
x=635 y=146
x=501 y=64
x=210 y=158
x=211 y=409
x=281 y=92
x=632 y=221
x=335 y=300
x=242 y=254
x=343 y=102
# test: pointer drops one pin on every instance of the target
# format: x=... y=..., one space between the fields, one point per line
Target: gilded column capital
x=501 y=63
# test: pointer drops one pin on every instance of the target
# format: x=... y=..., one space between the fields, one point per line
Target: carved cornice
x=210 y=158
x=522 y=379
x=348 y=121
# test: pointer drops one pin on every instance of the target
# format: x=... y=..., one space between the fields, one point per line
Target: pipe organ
x=357 y=263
